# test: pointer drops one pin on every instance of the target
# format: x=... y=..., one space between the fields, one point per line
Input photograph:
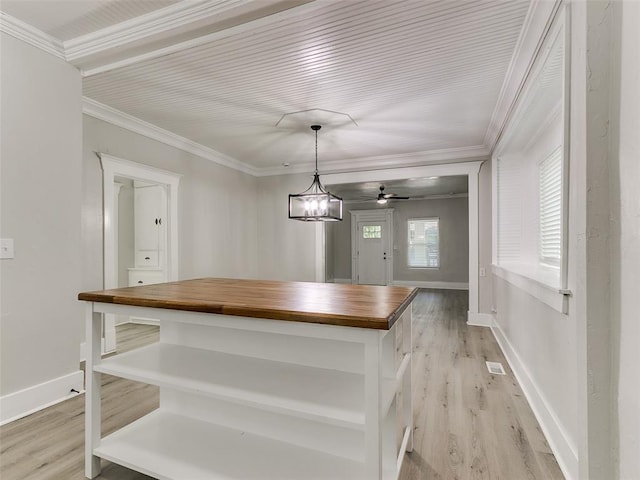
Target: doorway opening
x=467 y=169
x=149 y=252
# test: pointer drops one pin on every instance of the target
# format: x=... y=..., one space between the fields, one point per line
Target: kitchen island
x=259 y=380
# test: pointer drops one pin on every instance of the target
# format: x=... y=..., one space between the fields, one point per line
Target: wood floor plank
x=468 y=423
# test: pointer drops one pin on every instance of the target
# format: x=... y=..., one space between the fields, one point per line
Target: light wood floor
x=469 y=424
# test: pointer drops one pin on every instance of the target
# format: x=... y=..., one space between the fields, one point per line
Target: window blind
x=423 y=243
x=509 y=211
x=550 y=189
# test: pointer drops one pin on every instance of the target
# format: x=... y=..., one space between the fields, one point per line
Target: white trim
x=139 y=28
x=555 y=297
x=31 y=35
x=378 y=215
x=445 y=196
x=112 y=167
x=116 y=117
x=441 y=170
x=563 y=448
x=32 y=399
x=296 y=11
x=414 y=159
x=439 y=285
x=537 y=23
x=480 y=319
x=470 y=169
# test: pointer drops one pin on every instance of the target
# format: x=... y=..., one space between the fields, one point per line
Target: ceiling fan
x=383 y=197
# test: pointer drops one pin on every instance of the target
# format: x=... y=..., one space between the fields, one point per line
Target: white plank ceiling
x=67 y=19
x=416 y=76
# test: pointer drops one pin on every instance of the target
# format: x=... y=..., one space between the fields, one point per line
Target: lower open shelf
x=166 y=445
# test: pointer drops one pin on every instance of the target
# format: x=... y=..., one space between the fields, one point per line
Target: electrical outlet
x=483 y=272
x=6 y=247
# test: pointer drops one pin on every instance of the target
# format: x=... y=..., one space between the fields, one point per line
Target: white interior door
x=372 y=252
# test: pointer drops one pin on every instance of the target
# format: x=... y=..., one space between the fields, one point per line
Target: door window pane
x=372 y=231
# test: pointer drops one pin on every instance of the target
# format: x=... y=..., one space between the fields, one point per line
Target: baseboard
x=30 y=400
x=476 y=319
x=439 y=285
x=341 y=280
x=562 y=447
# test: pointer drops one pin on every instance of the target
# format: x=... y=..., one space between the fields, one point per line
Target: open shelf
x=170 y=446
x=318 y=394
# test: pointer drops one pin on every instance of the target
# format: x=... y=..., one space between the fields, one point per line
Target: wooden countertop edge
x=253 y=312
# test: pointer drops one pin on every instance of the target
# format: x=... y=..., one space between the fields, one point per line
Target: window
x=371 y=231
x=423 y=238
x=550 y=192
x=530 y=183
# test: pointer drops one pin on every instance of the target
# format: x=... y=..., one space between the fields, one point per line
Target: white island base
x=248 y=398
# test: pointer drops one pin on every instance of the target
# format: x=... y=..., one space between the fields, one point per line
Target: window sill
x=537 y=283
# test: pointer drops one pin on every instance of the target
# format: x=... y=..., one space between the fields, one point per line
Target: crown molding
x=435 y=157
x=443 y=196
x=430 y=157
x=116 y=117
x=536 y=25
x=31 y=35
x=139 y=28
x=300 y=9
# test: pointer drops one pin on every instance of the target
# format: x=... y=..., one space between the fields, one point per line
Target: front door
x=372 y=252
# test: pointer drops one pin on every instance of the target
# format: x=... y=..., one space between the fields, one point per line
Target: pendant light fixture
x=315 y=203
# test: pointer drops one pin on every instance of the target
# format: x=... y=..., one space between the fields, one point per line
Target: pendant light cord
x=316 y=152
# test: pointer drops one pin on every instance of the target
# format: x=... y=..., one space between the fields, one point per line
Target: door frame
x=117 y=167
x=470 y=169
x=380 y=214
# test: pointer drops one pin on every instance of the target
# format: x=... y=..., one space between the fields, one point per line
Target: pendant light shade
x=315 y=203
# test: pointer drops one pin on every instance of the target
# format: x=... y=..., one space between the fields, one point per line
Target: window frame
x=548 y=283
x=422 y=267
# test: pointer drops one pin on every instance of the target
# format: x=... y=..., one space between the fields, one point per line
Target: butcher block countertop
x=360 y=306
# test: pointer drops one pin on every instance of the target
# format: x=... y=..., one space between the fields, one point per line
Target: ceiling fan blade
x=395 y=196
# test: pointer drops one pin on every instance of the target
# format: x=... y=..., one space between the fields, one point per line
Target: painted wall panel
x=626 y=248
x=544 y=341
x=41 y=154
x=485 y=285
x=286 y=248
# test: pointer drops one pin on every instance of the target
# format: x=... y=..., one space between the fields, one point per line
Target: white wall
x=625 y=241
x=217 y=205
x=485 y=285
x=582 y=369
x=286 y=248
x=41 y=154
x=126 y=231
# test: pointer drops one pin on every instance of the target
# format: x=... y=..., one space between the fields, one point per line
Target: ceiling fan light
x=382 y=201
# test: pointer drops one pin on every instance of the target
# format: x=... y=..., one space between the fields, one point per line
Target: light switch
x=6 y=247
